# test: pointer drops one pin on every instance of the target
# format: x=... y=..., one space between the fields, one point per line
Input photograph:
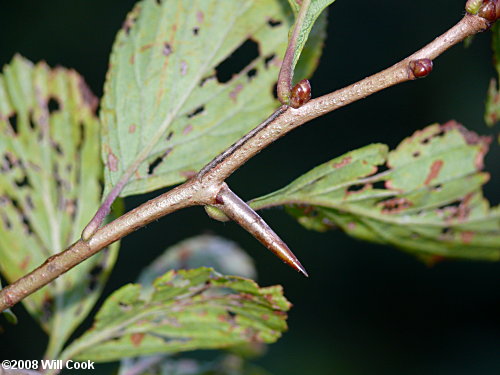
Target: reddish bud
x=489 y=10
x=421 y=68
x=301 y=93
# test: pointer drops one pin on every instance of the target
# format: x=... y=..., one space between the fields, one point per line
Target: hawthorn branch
x=205 y=187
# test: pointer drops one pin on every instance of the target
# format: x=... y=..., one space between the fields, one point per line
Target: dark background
x=366 y=309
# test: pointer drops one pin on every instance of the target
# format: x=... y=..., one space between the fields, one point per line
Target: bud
x=301 y=93
x=421 y=68
x=472 y=6
x=488 y=10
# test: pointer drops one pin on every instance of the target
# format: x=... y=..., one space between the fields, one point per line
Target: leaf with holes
x=492 y=114
x=49 y=188
x=307 y=18
x=188 y=310
x=200 y=251
x=182 y=87
x=429 y=200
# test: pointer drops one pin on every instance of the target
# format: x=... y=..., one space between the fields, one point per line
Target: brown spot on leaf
x=25 y=262
x=130 y=20
x=351 y=225
x=200 y=16
x=132 y=59
x=167 y=49
x=112 y=162
x=131 y=128
x=467 y=237
x=234 y=94
x=187 y=129
x=434 y=172
x=136 y=338
x=222 y=318
x=184 y=67
x=146 y=47
x=345 y=161
x=395 y=205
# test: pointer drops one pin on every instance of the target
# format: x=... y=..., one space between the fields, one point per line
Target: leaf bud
x=301 y=93
x=472 y=6
x=421 y=68
x=488 y=10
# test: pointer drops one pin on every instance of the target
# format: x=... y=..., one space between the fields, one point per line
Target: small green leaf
x=49 y=188
x=8 y=314
x=492 y=113
x=167 y=110
x=428 y=200
x=188 y=310
x=314 y=8
x=224 y=256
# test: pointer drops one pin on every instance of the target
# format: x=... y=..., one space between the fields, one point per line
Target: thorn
x=245 y=216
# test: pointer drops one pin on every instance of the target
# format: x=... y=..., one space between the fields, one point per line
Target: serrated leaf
x=193 y=309
x=492 y=113
x=49 y=188
x=313 y=10
x=7 y=313
x=225 y=256
x=428 y=201
x=164 y=110
x=215 y=252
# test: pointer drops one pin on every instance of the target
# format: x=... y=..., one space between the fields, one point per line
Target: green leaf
x=194 y=309
x=307 y=19
x=8 y=314
x=428 y=200
x=492 y=113
x=226 y=257
x=49 y=188
x=164 y=113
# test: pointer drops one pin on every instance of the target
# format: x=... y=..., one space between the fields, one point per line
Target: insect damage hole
x=23 y=182
x=275 y=90
x=13 y=122
x=252 y=73
x=196 y=112
x=153 y=165
x=53 y=105
x=237 y=61
x=268 y=59
x=167 y=49
x=273 y=23
x=356 y=188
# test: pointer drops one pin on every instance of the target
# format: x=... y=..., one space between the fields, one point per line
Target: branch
x=205 y=187
x=406 y=70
